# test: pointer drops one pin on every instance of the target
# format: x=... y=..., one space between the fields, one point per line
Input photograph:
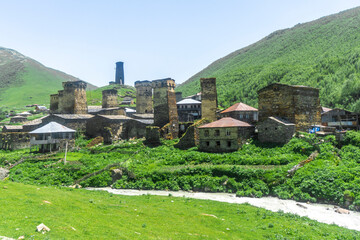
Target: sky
x=155 y=39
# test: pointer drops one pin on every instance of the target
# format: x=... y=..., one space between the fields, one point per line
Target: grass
x=82 y=214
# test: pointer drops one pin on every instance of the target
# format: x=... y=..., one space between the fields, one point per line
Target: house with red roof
x=224 y=135
x=242 y=112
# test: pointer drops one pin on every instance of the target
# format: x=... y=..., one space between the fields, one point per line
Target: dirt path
x=319 y=212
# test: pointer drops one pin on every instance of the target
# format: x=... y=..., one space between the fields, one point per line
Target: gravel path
x=319 y=212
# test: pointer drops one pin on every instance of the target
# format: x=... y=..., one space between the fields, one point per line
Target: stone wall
x=14 y=141
x=60 y=102
x=74 y=98
x=165 y=109
x=273 y=130
x=208 y=98
x=144 y=102
x=297 y=104
x=134 y=129
x=152 y=136
x=100 y=125
x=54 y=103
x=110 y=98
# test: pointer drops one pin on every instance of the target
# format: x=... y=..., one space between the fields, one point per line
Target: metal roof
x=74 y=116
x=188 y=101
x=129 y=110
x=226 y=122
x=325 y=109
x=280 y=120
x=144 y=115
x=120 y=117
x=52 y=127
x=239 y=107
x=13 y=127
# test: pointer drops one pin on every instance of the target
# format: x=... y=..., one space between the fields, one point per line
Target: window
x=241 y=116
x=247 y=116
x=265 y=129
x=228 y=132
x=207 y=144
x=217 y=143
x=206 y=133
x=275 y=128
x=217 y=133
x=229 y=143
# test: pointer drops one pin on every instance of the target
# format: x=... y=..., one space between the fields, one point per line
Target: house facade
x=275 y=130
x=224 y=135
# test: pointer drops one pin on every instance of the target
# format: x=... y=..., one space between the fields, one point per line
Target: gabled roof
x=325 y=109
x=52 y=127
x=226 y=122
x=115 y=117
x=239 y=107
x=13 y=127
x=74 y=116
x=281 y=121
x=188 y=101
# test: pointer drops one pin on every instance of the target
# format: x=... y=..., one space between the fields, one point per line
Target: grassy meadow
x=82 y=214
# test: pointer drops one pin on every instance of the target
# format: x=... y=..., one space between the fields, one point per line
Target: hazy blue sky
x=155 y=39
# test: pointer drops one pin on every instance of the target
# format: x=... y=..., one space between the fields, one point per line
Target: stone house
x=296 y=104
x=275 y=130
x=12 y=128
x=224 y=135
x=104 y=125
x=242 y=112
x=188 y=110
x=18 y=119
x=52 y=137
x=73 y=121
x=135 y=128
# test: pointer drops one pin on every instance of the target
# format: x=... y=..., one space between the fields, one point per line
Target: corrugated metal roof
x=52 y=127
x=325 y=109
x=188 y=101
x=129 y=110
x=239 y=107
x=145 y=121
x=226 y=122
x=115 y=116
x=280 y=120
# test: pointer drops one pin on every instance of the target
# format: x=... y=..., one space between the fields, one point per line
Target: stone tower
x=144 y=102
x=110 y=98
x=74 y=98
x=165 y=109
x=54 y=103
x=119 y=74
x=208 y=98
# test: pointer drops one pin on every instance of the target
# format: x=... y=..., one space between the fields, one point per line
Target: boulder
x=342 y=211
x=116 y=174
x=3 y=173
x=42 y=228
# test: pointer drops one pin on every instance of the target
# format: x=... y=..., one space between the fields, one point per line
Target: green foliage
x=323 y=54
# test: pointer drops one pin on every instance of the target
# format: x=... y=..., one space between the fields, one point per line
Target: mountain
x=25 y=81
x=324 y=53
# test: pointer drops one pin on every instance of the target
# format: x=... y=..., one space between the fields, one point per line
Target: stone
x=116 y=174
x=208 y=98
x=342 y=211
x=4 y=173
x=42 y=228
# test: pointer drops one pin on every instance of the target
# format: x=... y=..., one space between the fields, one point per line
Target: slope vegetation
x=25 y=81
x=324 y=53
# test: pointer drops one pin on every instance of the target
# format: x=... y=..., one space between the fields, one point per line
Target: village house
x=188 y=110
x=52 y=137
x=224 y=135
x=135 y=128
x=18 y=119
x=242 y=112
x=340 y=119
x=275 y=130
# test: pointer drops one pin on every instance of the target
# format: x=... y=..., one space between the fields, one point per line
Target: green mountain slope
x=324 y=53
x=94 y=97
x=25 y=81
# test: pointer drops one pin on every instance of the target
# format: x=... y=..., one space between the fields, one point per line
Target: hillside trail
x=320 y=212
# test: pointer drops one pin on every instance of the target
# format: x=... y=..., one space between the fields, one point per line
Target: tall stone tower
x=144 y=102
x=74 y=98
x=119 y=74
x=165 y=109
x=110 y=98
x=208 y=98
x=54 y=103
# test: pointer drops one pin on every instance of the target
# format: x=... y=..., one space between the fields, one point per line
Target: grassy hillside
x=324 y=53
x=94 y=97
x=81 y=214
x=24 y=81
x=255 y=170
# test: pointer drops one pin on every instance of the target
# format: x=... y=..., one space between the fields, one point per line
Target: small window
x=217 y=143
x=206 y=133
x=217 y=132
x=229 y=143
x=228 y=132
x=247 y=116
x=265 y=129
x=207 y=144
x=241 y=116
x=275 y=128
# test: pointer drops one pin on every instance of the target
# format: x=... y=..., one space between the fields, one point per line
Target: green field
x=82 y=214
x=94 y=97
x=324 y=53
